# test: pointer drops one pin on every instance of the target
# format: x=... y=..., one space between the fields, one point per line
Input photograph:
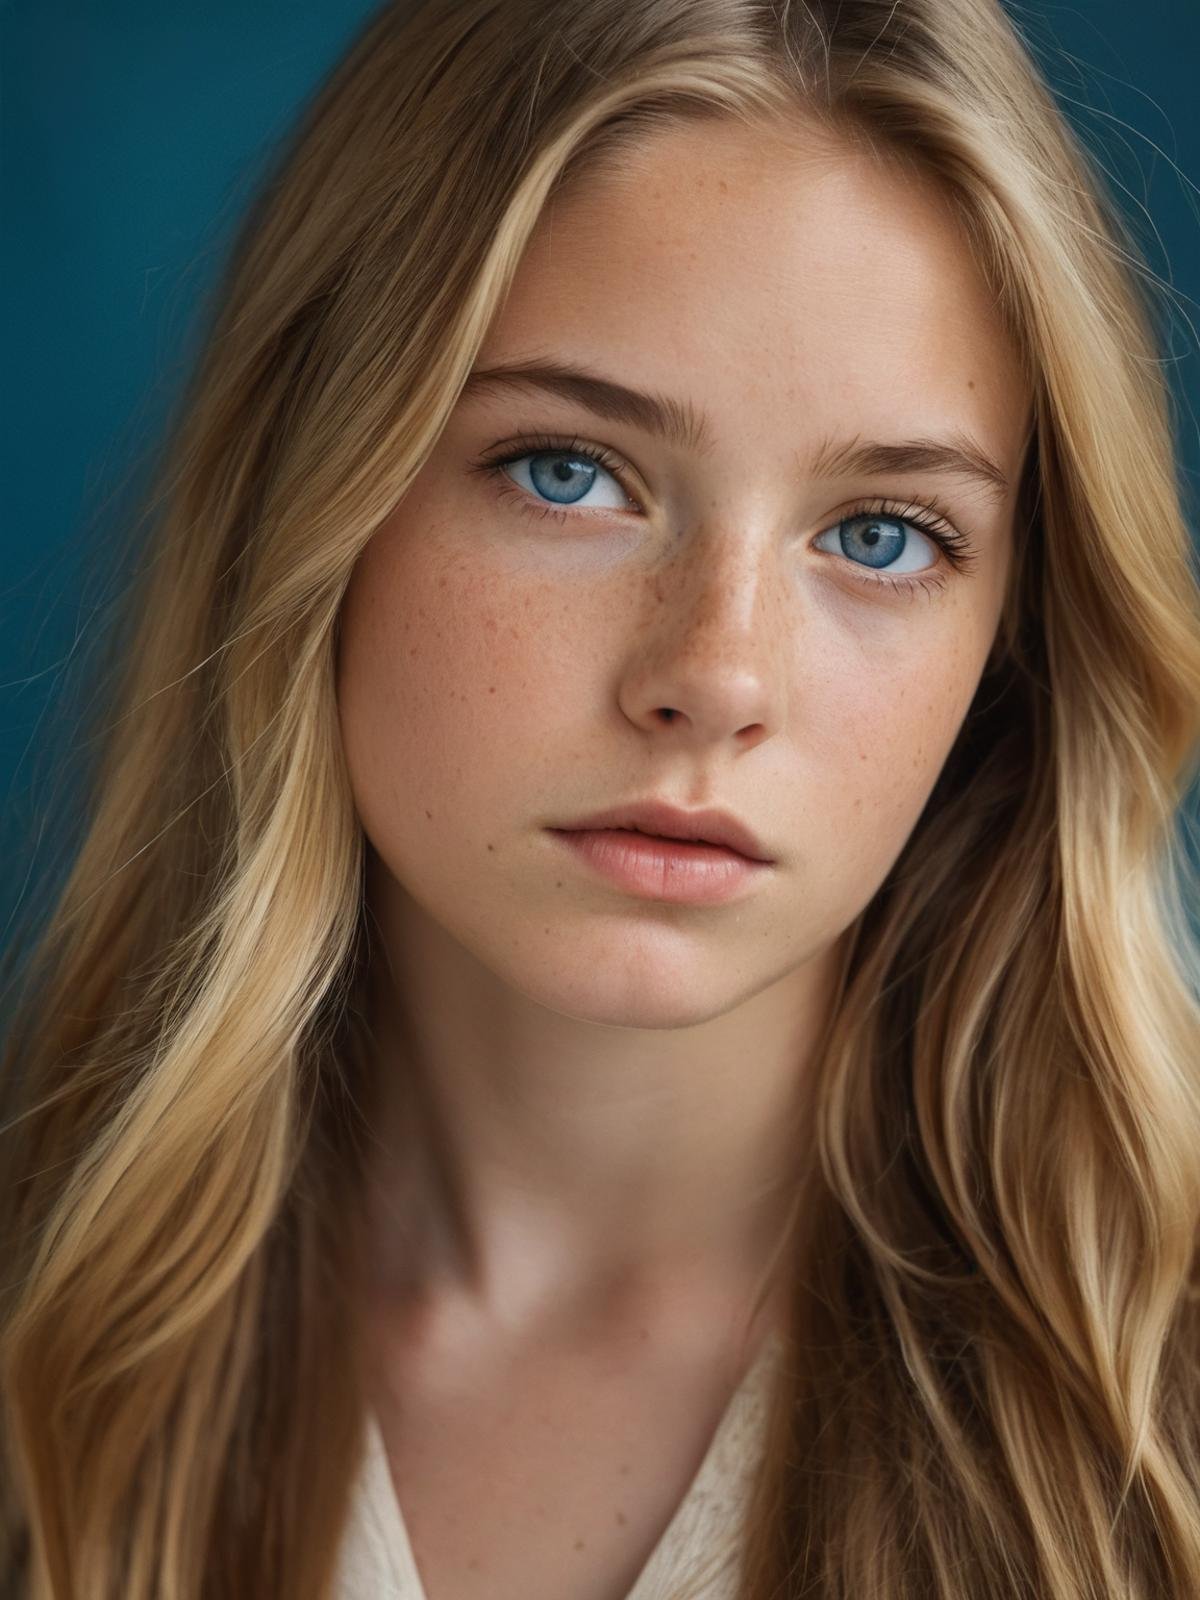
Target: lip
x=682 y=871
x=659 y=820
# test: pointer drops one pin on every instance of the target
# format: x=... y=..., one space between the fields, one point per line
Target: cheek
x=444 y=674
x=889 y=726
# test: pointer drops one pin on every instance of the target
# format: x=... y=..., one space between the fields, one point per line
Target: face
x=560 y=571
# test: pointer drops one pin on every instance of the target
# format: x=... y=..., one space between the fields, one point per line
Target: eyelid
x=927 y=515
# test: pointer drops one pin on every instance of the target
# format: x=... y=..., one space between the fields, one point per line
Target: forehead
x=785 y=283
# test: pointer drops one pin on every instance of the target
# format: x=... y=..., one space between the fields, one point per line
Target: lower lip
x=663 y=869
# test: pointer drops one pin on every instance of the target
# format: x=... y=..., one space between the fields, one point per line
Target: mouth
x=666 y=838
x=668 y=824
x=658 y=867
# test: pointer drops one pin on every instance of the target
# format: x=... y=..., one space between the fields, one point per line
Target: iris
x=560 y=477
x=876 y=544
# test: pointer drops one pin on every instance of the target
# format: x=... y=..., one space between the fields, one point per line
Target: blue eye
x=876 y=539
x=565 y=477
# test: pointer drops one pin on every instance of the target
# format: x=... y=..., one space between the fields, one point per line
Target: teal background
x=133 y=135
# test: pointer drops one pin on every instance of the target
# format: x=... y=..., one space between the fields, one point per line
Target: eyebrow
x=682 y=425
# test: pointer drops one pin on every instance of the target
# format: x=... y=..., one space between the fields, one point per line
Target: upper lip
x=669 y=822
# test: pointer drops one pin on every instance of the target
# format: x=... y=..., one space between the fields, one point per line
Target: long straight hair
x=993 y=1377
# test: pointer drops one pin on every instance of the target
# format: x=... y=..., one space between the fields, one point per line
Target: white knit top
x=698 y=1555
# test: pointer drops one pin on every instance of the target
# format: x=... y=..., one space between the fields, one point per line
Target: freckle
x=625 y=1470
x=412 y=652
x=491 y=847
x=970 y=383
x=579 y=1545
x=621 y=1518
x=492 y=690
x=429 y=814
x=558 y=883
x=473 y=1564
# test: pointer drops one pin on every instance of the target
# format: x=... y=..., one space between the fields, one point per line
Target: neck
x=546 y=1168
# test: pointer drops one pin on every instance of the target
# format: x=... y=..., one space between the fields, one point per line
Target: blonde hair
x=993 y=1385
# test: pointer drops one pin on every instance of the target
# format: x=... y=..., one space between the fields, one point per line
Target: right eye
x=555 y=476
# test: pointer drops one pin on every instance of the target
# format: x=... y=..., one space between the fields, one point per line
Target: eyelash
x=928 y=519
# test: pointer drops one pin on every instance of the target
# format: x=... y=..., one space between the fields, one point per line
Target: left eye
x=875 y=539
x=564 y=477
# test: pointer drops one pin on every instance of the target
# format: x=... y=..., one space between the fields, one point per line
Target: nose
x=708 y=660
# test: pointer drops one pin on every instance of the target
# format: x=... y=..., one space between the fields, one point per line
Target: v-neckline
x=377 y=1485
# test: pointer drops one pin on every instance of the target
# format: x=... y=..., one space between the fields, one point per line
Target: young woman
x=715 y=420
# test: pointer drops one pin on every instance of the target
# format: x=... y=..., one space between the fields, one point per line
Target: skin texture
x=589 y=1100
